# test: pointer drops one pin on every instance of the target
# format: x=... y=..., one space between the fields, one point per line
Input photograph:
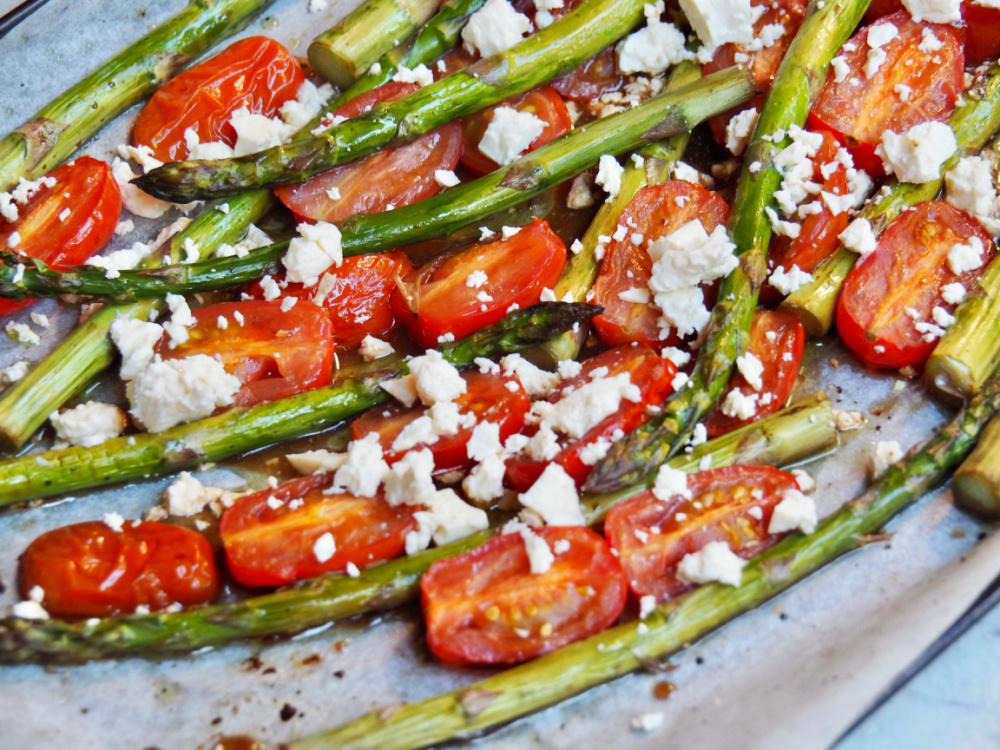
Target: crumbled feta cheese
x=484 y=441
x=410 y=480
x=540 y=556
x=970 y=188
x=22 y=334
x=316 y=462
x=535 y=381
x=554 y=498
x=180 y=320
x=929 y=42
x=494 y=27
x=581 y=410
x=450 y=518
x=795 y=511
x=689 y=256
x=737 y=404
x=595 y=451
x=636 y=295
x=253 y=239
x=135 y=340
x=966 y=257
x=717 y=22
x=315 y=249
x=713 y=562
x=789 y=281
x=647 y=722
x=186 y=496
x=114 y=521
x=363 y=470
x=374 y=348
x=918 y=155
x=935 y=11
x=609 y=175
x=752 y=370
x=324 y=547
x=420 y=75
x=884 y=454
x=579 y=196
x=135 y=200
x=485 y=481
x=446 y=178
x=435 y=379
x=652 y=49
x=953 y=294
x=859 y=237
x=738 y=130
x=89 y=424
x=942 y=317
x=270 y=288
x=255 y=132
x=805 y=482
x=167 y=393
x=29 y=610
x=476 y=279
x=12 y=374
x=670 y=482
x=402 y=389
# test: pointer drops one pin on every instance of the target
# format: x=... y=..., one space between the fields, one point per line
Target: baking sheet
x=794 y=673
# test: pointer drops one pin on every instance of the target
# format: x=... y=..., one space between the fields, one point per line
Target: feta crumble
x=609 y=175
x=918 y=155
x=554 y=498
x=89 y=424
x=374 y=348
x=884 y=454
x=509 y=134
x=713 y=562
x=795 y=511
x=315 y=249
x=167 y=393
x=494 y=27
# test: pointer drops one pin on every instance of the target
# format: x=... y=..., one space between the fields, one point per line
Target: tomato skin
x=257 y=73
x=650 y=372
x=981 y=27
x=907 y=270
x=268 y=546
x=592 y=78
x=723 y=515
x=654 y=213
x=274 y=353
x=858 y=110
x=544 y=103
x=460 y=596
x=486 y=396
x=434 y=299
x=94 y=203
x=89 y=570
x=358 y=304
x=395 y=176
x=789 y=338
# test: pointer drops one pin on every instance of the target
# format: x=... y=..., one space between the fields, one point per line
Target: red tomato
x=486 y=396
x=275 y=354
x=776 y=339
x=652 y=535
x=858 y=110
x=435 y=299
x=905 y=273
x=86 y=188
x=647 y=370
x=653 y=213
x=487 y=607
x=591 y=78
x=544 y=103
x=268 y=546
x=391 y=177
x=981 y=27
x=453 y=61
x=90 y=570
x=358 y=303
x=257 y=73
x=763 y=63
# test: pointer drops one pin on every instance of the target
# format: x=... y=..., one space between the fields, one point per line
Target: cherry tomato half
x=274 y=353
x=486 y=396
x=269 y=544
x=651 y=373
x=592 y=78
x=544 y=103
x=437 y=299
x=653 y=213
x=899 y=284
x=257 y=73
x=486 y=607
x=89 y=570
x=67 y=223
x=981 y=27
x=777 y=339
x=391 y=177
x=652 y=535
x=859 y=109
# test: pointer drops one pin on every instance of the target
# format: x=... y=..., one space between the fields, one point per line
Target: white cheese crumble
x=180 y=320
x=186 y=496
x=324 y=548
x=494 y=27
x=485 y=481
x=609 y=175
x=315 y=249
x=554 y=498
x=789 y=281
x=135 y=340
x=135 y=200
x=647 y=722
x=752 y=370
x=12 y=374
x=859 y=237
x=535 y=381
x=585 y=407
x=884 y=454
x=167 y=393
x=953 y=294
x=435 y=379
x=317 y=461
x=918 y=155
x=970 y=188
x=717 y=22
x=89 y=424
x=374 y=348
x=652 y=49
x=738 y=405
x=738 y=130
x=364 y=468
x=446 y=178
x=540 y=556
x=966 y=256
x=22 y=334
x=935 y=11
x=420 y=75
x=509 y=134
x=402 y=389
x=29 y=610
x=713 y=562
x=670 y=482
x=795 y=511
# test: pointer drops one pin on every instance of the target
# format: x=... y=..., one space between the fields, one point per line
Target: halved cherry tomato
x=980 y=27
x=358 y=302
x=777 y=339
x=653 y=213
x=651 y=373
x=859 y=109
x=90 y=570
x=652 y=535
x=274 y=353
x=764 y=62
x=899 y=284
x=486 y=396
x=257 y=73
x=487 y=607
x=544 y=103
x=592 y=78
x=392 y=177
x=86 y=189
x=436 y=299
x=271 y=546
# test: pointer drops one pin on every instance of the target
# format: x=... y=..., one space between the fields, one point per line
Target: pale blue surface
x=953 y=703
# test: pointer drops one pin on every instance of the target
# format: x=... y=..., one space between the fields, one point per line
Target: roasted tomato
x=461 y=293
x=981 y=27
x=274 y=353
x=90 y=570
x=777 y=339
x=487 y=607
x=358 y=301
x=653 y=213
x=648 y=371
x=257 y=73
x=487 y=397
x=592 y=78
x=731 y=505
x=764 y=63
x=276 y=536
x=544 y=103
x=390 y=178
x=65 y=224
x=886 y=313
x=859 y=109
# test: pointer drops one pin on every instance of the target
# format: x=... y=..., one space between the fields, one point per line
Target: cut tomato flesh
x=592 y=78
x=894 y=290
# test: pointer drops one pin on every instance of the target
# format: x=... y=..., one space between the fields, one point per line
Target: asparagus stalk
x=69 y=120
x=976 y=484
x=546 y=54
x=343 y=54
x=673 y=626
x=974 y=123
x=798 y=81
x=242 y=429
x=672 y=112
x=789 y=436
